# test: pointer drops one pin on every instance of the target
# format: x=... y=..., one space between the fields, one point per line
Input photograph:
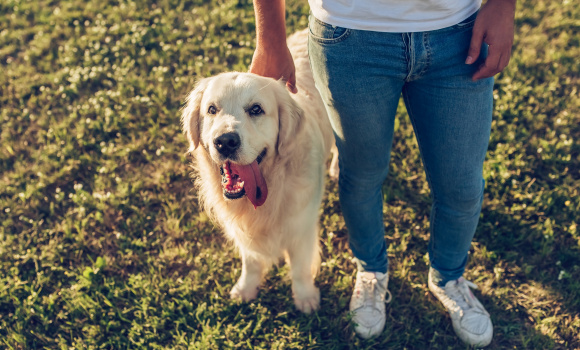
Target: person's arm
x=272 y=57
x=494 y=25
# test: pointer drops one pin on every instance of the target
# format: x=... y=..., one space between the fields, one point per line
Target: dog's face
x=238 y=119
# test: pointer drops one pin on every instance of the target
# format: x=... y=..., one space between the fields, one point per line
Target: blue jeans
x=361 y=76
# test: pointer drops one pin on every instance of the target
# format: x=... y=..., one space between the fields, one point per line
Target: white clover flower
x=58 y=190
x=7 y=210
x=561 y=275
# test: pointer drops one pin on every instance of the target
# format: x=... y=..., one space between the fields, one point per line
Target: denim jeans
x=361 y=76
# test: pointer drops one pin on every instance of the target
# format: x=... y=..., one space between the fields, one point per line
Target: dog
x=260 y=155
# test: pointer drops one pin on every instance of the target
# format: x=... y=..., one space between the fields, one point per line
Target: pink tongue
x=254 y=183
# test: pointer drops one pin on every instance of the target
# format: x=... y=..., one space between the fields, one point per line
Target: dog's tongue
x=254 y=183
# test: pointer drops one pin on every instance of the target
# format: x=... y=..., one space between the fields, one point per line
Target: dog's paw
x=308 y=302
x=244 y=294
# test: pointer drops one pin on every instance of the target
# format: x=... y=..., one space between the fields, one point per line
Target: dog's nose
x=227 y=144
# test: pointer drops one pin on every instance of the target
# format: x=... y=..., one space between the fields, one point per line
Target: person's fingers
x=475 y=45
x=291 y=88
x=505 y=59
x=291 y=83
x=490 y=67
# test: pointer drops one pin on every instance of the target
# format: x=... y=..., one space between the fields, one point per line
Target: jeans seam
x=408 y=55
x=428 y=51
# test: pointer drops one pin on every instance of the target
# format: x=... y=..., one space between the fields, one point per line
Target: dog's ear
x=290 y=119
x=190 y=114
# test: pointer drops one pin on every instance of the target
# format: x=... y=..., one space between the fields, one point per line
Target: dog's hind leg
x=304 y=259
x=253 y=270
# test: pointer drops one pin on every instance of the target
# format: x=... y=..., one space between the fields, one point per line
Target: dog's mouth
x=239 y=180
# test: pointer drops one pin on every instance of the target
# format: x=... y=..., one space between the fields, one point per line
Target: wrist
x=267 y=45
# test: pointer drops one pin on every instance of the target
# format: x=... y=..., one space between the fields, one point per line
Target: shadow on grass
x=527 y=265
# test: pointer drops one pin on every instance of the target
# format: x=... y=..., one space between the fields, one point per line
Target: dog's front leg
x=304 y=263
x=252 y=272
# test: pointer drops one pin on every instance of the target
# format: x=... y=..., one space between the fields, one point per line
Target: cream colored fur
x=297 y=135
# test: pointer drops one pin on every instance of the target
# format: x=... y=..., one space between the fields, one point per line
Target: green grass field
x=102 y=244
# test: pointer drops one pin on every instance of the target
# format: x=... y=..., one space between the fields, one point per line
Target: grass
x=102 y=244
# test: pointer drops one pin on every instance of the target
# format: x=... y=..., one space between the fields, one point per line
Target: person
x=441 y=56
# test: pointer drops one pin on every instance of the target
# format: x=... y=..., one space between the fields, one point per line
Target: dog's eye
x=212 y=110
x=255 y=110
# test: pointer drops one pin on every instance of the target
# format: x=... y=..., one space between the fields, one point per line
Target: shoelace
x=370 y=287
x=462 y=299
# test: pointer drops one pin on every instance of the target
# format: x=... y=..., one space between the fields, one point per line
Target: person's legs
x=453 y=134
x=451 y=116
x=360 y=75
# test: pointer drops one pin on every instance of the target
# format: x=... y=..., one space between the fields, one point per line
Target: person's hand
x=275 y=62
x=494 y=25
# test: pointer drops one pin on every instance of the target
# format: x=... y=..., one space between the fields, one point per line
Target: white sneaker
x=471 y=321
x=367 y=304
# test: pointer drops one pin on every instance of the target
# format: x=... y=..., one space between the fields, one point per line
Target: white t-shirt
x=393 y=15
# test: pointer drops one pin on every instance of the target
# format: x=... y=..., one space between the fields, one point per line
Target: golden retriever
x=260 y=155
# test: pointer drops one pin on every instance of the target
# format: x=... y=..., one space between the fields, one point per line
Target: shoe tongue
x=254 y=183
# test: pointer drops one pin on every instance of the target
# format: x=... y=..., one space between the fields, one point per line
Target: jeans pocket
x=326 y=33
